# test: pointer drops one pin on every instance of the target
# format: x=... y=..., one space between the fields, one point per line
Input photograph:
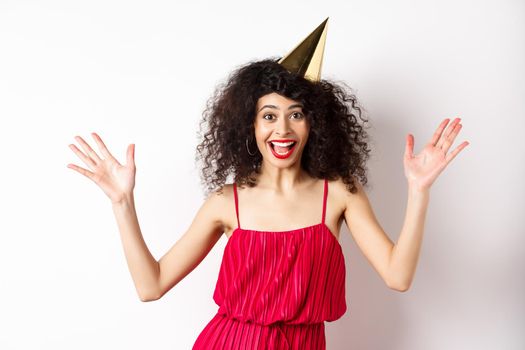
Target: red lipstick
x=284 y=155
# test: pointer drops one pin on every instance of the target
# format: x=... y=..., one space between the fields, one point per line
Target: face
x=281 y=130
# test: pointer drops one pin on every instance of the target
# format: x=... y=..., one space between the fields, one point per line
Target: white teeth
x=280 y=152
x=282 y=144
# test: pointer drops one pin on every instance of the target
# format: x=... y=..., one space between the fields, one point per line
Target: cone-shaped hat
x=306 y=58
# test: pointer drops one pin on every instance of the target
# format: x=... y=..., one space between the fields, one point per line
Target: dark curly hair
x=337 y=143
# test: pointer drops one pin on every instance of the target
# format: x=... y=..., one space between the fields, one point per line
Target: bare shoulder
x=341 y=195
x=221 y=204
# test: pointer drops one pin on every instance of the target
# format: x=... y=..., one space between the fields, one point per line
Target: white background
x=141 y=72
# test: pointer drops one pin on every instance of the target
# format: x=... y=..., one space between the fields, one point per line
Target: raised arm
x=367 y=232
x=188 y=252
x=396 y=263
x=152 y=278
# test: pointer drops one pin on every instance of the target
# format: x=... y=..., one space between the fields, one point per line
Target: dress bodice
x=294 y=277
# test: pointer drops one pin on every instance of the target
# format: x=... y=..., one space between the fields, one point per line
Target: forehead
x=276 y=100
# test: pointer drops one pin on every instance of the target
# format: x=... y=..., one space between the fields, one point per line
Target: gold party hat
x=306 y=58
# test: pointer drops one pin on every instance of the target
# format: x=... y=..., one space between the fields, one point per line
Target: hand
x=421 y=170
x=117 y=181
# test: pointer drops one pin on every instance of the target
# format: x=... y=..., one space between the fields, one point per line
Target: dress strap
x=236 y=204
x=324 y=198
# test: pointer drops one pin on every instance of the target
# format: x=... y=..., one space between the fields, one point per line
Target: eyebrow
x=275 y=107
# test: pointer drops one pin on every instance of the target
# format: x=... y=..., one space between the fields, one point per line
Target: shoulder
x=220 y=203
x=338 y=190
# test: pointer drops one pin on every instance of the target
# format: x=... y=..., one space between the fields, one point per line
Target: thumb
x=409 y=146
x=131 y=154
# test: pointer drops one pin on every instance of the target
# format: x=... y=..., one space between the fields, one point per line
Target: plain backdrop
x=141 y=72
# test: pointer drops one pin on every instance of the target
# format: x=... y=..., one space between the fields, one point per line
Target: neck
x=281 y=180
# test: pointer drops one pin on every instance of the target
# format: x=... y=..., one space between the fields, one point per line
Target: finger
x=447 y=133
x=131 y=155
x=102 y=147
x=449 y=140
x=439 y=130
x=88 y=161
x=453 y=154
x=409 y=146
x=87 y=148
x=82 y=171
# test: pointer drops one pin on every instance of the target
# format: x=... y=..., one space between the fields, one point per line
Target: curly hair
x=337 y=143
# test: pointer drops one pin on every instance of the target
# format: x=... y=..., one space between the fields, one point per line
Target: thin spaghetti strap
x=324 y=198
x=236 y=204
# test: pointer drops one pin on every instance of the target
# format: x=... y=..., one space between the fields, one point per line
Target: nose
x=282 y=127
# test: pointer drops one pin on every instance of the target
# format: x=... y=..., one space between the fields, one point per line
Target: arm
x=405 y=254
x=421 y=171
x=154 y=278
x=368 y=234
x=397 y=263
x=142 y=265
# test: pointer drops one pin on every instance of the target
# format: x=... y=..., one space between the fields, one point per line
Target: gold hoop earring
x=249 y=149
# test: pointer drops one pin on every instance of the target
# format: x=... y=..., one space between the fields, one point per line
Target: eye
x=264 y=116
x=298 y=114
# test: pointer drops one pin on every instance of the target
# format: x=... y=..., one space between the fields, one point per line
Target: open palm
x=115 y=179
x=422 y=169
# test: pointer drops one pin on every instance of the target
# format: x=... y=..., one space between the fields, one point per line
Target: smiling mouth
x=282 y=150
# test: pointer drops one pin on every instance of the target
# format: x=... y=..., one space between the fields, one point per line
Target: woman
x=297 y=152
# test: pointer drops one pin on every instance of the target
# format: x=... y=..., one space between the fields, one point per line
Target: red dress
x=276 y=288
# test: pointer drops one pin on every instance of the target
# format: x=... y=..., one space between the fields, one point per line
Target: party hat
x=306 y=58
